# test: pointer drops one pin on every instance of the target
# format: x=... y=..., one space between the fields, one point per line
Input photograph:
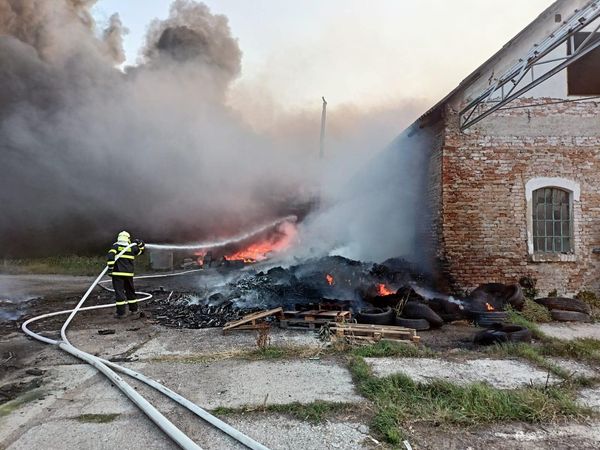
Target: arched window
x=552 y=205
x=552 y=220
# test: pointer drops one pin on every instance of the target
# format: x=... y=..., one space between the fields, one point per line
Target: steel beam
x=497 y=94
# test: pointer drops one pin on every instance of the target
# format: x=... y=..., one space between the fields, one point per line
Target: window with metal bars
x=552 y=221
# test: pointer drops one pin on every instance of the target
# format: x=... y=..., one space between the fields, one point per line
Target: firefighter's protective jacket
x=123 y=266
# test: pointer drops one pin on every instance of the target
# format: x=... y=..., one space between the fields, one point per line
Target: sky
x=361 y=52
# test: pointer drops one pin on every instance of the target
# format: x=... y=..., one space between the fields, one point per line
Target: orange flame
x=330 y=279
x=382 y=290
x=489 y=307
x=260 y=251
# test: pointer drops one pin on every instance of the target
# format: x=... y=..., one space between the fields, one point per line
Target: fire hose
x=108 y=368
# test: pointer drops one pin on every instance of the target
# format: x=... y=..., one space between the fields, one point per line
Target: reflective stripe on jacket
x=123 y=266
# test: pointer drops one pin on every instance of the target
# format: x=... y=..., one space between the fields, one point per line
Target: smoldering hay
x=88 y=149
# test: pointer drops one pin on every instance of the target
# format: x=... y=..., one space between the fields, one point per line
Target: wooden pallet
x=312 y=315
x=374 y=332
x=302 y=324
x=253 y=321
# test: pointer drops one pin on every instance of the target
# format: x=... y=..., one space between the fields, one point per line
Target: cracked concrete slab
x=32 y=405
x=570 y=331
x=504 y=374
x=135 y=431
x=590 y=398
x=575 y=368
x=234 y=383
x=209 y=341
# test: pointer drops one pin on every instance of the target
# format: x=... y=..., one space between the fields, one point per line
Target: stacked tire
x=499 y=334
x=377 y=316
x=566 y=309
x=419 y=317
x=415 y=315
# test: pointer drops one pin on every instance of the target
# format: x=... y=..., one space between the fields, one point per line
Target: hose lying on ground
x=106 y=367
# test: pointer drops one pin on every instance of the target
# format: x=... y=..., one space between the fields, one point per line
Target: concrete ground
x=501 y=373
x=75 y=407
x=67 y=405
x=19 y=287
x=571 y=330
x=55 y=416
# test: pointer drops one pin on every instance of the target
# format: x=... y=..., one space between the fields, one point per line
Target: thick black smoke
x=87 y=150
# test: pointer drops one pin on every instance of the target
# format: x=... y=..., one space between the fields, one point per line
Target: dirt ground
x=51 y=400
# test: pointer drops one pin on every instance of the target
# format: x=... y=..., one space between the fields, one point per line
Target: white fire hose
x=178 y=436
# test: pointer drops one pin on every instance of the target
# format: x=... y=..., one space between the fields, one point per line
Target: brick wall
x=484 y=211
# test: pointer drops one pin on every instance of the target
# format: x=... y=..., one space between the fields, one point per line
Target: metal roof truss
x=522 y=77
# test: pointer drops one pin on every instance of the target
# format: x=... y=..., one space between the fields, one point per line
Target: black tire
x=415 y=324
x=490 y=337
x=516 y=333
x=486 y=319
x=516 y=298
x=499 y=333
x=376 y=316
x=499 y=295
x=414 y=310
x=569 y=316
x=564 y=304
x=452 y=317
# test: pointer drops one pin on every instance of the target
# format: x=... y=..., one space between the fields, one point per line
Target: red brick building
x=514 y=183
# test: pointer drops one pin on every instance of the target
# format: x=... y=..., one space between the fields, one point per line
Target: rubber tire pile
x=566 y=309
x=415 y=315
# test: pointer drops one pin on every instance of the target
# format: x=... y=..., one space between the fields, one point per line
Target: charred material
x=331 y=282
x=183 y=311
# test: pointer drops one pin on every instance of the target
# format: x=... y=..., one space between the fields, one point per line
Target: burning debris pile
x=391 y=293
x=333 y=280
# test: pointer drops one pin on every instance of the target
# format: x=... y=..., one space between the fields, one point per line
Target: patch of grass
x=390 y=349
x=360 y=370
x=535 y=313
x=477 y=403
x=64 y=265
x=268 y=353
x=593 y=301
x=590 y=298
x=386 y=424
x=315 y=412
x=96 y=418
x=27 y=397
x=517 y=318
x=581 y=349
x=271 y=352
x=400 y=401
x=275 y=352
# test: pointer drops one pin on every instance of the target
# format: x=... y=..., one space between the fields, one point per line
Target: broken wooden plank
x=366 y=326
x=251 y=319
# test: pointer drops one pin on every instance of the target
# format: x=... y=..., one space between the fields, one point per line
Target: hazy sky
x=352 y=51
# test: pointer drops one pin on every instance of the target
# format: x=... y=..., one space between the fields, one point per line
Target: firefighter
x=121 y=272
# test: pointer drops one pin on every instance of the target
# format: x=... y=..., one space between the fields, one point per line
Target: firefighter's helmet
x=124 y=236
